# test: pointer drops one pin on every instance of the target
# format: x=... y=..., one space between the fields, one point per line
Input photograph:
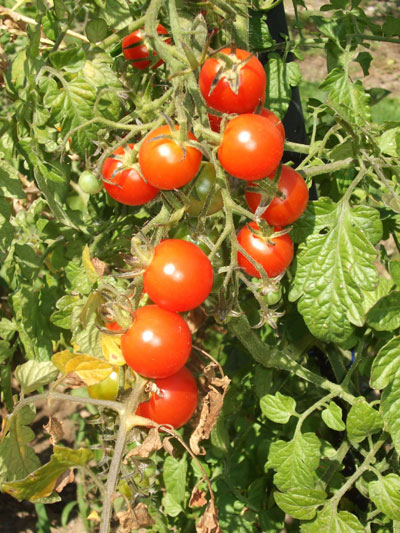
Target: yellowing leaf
x=60 y=359
x=111 y=348
x=89 y=268
x=94 y=515
x=90 y=369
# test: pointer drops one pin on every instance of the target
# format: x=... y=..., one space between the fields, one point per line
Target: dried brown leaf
x=65 y=479
x=133 y=519
x=54 y=429
x=197 y=499
x=73 y=381
x=195 y=319
x=98 y=265
x=211 y=407
x=168 y=446
x=208 y=523
x=151 y=443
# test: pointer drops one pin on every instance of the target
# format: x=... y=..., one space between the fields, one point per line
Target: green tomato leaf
x=332 y=416
x=6 y=228
x=295 y=461
x=96 y=30
x=335 y=522
x=278 y=408
x=362 y=420
x=388 y=142
x=10 y=185
x=385 y=493
x=41 y=483
x=394 y=269
x=385 y=314
x=390 y=405
x=281 y=78
x=70 y=59
x=386 y=364
x=174 y=476
x=334 y=268
x=371 y=297
x=17 y=459
x=300 y=503
x=35 y=374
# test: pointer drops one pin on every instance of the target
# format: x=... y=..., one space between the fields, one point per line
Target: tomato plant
x=179 y=277
x=158 y=343
x=251 y=147
x=274 y=255
x=136 y=51
x=288 y=208
x=204 y=185
x=176 y=402
x=276 y=121
x=165 y=162
x=234 y=85
x=123 y=182
x=106 y=389
x=89 y=183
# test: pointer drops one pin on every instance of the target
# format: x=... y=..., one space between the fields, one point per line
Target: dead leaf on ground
x=152 y=443
x=198 y=498
x=208 y=523
x=54 y=429
x=211 y=407
x=133 y=519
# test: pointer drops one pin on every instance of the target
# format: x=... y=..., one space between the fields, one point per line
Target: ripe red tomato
x=127 y=187
x=136 y=52
x=251 y=147
x=106 y=389
x=276 y=121
x=158 y=343
x=177 y=403
x=179 y=277
x=286 y=210
x=239 y=89
x=274 y=258
x=164 y=163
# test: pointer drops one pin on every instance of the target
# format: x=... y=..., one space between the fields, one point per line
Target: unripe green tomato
x=203 y=184
x=89 y=183
x=272 y=298
x=106 y=389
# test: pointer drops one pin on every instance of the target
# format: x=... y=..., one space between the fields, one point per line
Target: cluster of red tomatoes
x=179 y=276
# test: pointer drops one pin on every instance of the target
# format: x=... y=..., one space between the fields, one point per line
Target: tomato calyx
x=229 y=68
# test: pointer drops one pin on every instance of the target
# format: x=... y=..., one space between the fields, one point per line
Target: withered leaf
x=168 y=446
x=211 y=407
x=151 y=443
x=197 y=499
x=54 y=429
x=208 y=523
x=133 y=519
x=65 y=479
x=98 y=265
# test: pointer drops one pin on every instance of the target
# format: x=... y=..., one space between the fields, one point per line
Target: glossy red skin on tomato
x=136 y=52
x=276 y=121
x=179 y=277
x=286 y=210
x=274 y=258
x=158 y=343
x=127 y=187
x=177 y=403
x=164 y=164
x=252 y=84
x=251 y=147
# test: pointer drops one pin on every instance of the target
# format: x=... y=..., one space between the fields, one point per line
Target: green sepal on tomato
x=290 y=206
x=158 y=343
x=274 y=254
x=176 y=401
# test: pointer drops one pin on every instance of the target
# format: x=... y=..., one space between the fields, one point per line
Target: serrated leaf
x=385 y=493
x=385 y=314
x=362 y=421
x=71 y=59
x=390 y=405
x=174 y=476
x=111 y=348
x=300 y=503
x=90 y=369
x=350 y=95
x=278 y=408
x=371 y=297
x=35 y=374
x=91 y=273
x=17 y=459
x=334 y=268
x=386 y=364
x=295 y=461
x=41 y=483
x=335 y=522
x=62 y=316
x=281 y=77
x=332 y=416
x=388 y=142
x=318 y=215
x=10 y=185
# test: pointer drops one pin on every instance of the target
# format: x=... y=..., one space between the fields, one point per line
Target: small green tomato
x=106 y=389
x=203 y=185
x=89 y=183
